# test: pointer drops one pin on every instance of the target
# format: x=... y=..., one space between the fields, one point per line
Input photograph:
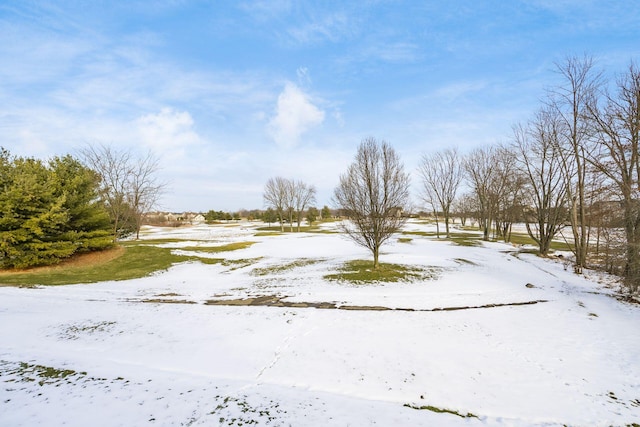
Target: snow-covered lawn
x=153 y=351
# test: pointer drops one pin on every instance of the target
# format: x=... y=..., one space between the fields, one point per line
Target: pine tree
x=47 y=212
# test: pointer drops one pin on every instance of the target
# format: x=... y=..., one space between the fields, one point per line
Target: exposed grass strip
x=440 y=410
x=267 y=233
x=362 y=272
x=282 y=268
x=277 y=301
x=459 y=238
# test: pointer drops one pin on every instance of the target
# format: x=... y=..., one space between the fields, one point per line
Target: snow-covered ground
x=560 y=351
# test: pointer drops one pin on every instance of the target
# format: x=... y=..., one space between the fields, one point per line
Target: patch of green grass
x=281 y=268
x=235 y=264
x=459 y=238
x=362 y=272
x=404 y=240
x=323 y=231
x=525 y=239
x=466 y=240
x=138 y=260
x=28 y=372
x=419 y=233
x=215 y=249
x=268 y=233
x=156 y=241
x=441 y=410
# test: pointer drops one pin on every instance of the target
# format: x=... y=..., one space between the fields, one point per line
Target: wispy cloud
x=331 y=27
x=457 y=90
x=392 y=52
x=295 y=115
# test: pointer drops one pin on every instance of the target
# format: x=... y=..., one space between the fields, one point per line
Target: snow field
x=568 y=357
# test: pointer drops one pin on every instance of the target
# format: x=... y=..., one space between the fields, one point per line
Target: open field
x=238 y=326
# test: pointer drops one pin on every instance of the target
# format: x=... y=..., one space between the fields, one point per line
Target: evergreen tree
x=312 y=215
x=269 y=216
x=46 y=211
x=31 y=215
x=325 y=214
x=88 y=223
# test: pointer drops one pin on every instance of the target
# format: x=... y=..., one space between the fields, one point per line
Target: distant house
x=192 y=218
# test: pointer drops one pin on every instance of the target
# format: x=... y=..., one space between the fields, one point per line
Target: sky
x=227 y=94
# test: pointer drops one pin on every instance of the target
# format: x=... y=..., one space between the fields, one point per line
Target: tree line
x=289 y=199
x=574 y=165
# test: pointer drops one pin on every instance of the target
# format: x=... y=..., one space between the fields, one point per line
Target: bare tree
x=617 y=157
x=303 y=196
x=465 y=207
x=289 y=201
x=505 y=191
x=113 y=168
x=441 y=175
x=570 y=102
x=480 y=167
x=288 y=197
x=373 y=193
x=537 y=156
x=144 y=188
x=128 y=185
x=497 y=186
x=277 y=195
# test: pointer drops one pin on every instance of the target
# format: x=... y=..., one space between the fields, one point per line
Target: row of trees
x=213 y=216
x=268 y=215
x=575 y=163
x=289 y=199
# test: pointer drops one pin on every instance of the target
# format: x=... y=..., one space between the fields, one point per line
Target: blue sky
x=230 y=93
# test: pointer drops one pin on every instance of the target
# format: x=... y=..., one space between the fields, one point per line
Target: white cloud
x=169 y=130
x=295 y=115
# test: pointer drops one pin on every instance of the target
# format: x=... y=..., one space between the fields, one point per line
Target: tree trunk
x=446 y=224
x=632 y=262
x=376 y=253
